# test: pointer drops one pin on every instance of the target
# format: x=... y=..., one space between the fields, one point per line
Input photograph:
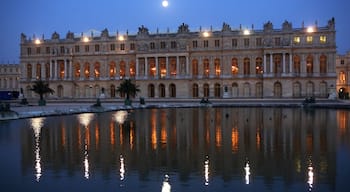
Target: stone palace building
x=229 y=63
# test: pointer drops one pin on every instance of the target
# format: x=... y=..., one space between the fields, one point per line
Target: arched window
x=47 y=70
x=217 y=90
x=277 y=89
x=38 y=71
x=259 y=89
x=61 y=69
x=122 y=69
x=206 y=90
x=206 y=68
x=217 y=67
x=234 y=66
x=296 y=64
x=194 y=90
x=150 y=90
x=310 y=89
x=323 y=64
x=77 y=71
x=162 y=67
x=87 y=70
x=97 y=70
x=161 y=90
x=173 y=66
x=309 y=64
x=112 y=70
x=277 y=61
x=132 y=69
x=112 y=91
x=195 y=67
x=29 y=71
x=235 y=90
x=59 y=91
x=296 y=89
x=246 y=64
x=259 y=70
x=342 y=77
x=172 y=90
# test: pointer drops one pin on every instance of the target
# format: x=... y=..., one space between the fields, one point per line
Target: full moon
x=165 y=3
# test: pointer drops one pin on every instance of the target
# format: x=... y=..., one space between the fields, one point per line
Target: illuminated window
x=309 y=39
x=342 y=77
x=296 y=40
x=323 y=39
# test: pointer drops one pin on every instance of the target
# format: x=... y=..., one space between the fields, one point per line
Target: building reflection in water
x=206 y=171
x=247 y=173
x=37 y=124
x=85 y=119
x=279 y=140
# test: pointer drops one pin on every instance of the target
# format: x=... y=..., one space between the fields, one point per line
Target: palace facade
x=343 y=74
x=9 y=77
x=229 y=63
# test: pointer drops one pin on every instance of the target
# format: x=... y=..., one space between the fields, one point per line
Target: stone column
x=65 y=69
x=284 y=62
x=265 y=65
x=157 y=68
x=167 y=67
x=55 y=70
x=137 y=68
x=187 y=66
x=70 y=66
x=271 y=63
x=290 y=63
x=177 y=66
x=146 y=67
x=43 y=69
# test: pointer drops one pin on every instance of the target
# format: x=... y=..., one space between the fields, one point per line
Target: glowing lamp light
x=121 y=38
x=206 y=34
x=246 y=32
x=37 y=41
x=85 y=39
x=310 y=29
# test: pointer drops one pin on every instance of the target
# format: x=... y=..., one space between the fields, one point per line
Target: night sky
x=43 y=17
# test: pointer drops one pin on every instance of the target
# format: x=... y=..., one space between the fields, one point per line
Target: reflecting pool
x=179 y=149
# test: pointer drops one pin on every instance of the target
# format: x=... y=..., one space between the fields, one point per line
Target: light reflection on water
x=245 y=148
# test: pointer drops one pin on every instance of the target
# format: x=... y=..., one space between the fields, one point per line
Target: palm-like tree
x=129 y=88
x=40 y=87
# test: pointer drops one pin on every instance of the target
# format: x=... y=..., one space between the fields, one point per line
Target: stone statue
x=183 y=28
x=55 y=36
x=70 y=35
x=105 y=33
x=226 y=27
x=268 y=27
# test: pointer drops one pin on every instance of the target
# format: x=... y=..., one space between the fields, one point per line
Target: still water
x=184 y=149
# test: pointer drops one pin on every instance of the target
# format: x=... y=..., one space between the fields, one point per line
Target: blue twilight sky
x=43 y=17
